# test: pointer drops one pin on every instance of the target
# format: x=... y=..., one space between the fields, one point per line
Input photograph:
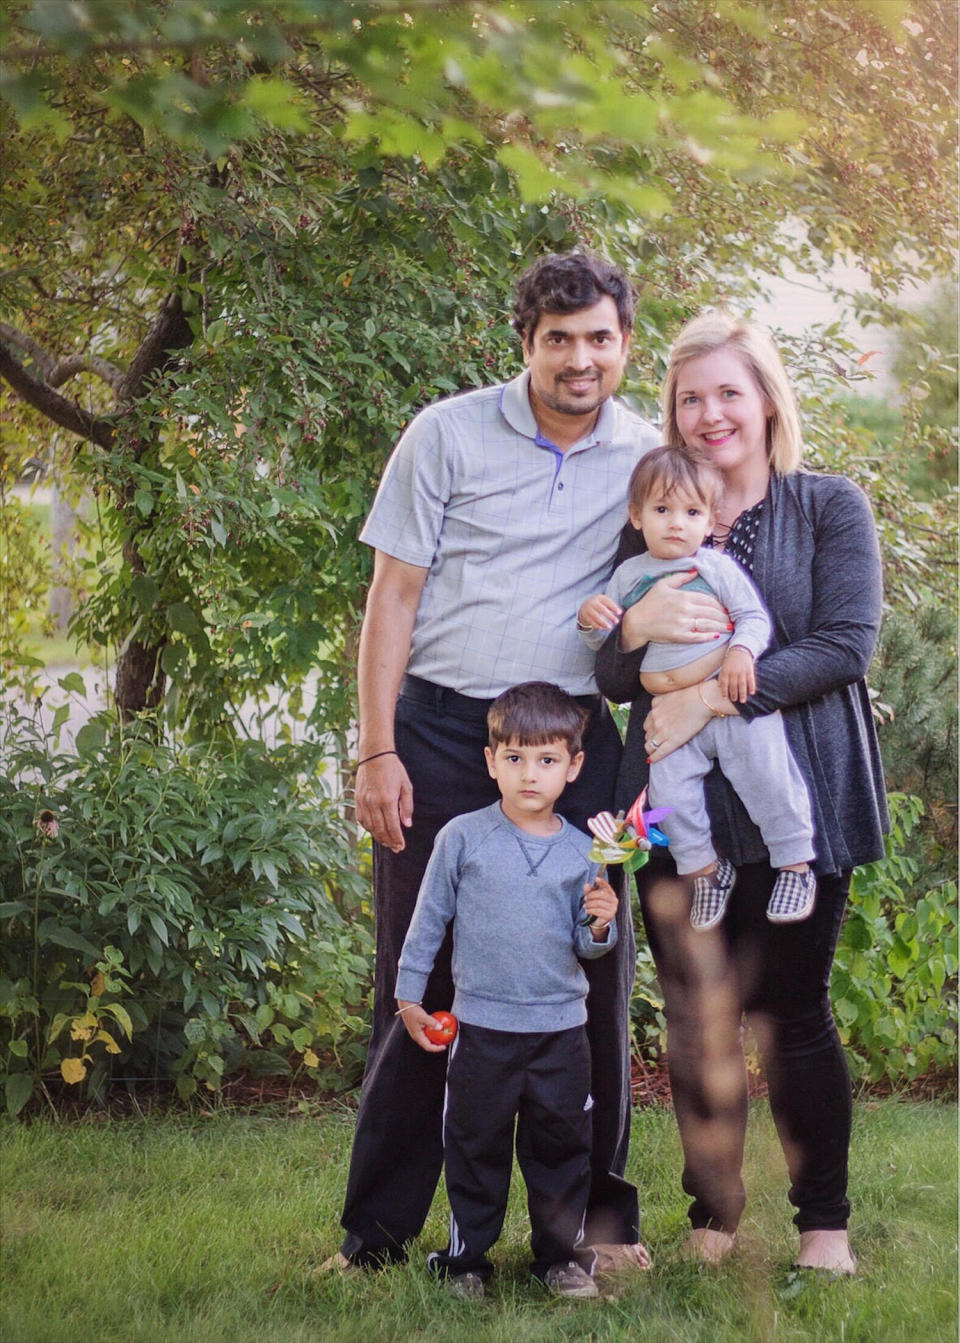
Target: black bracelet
x=376 y=756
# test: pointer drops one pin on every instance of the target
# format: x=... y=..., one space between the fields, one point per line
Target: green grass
x=192 y=1230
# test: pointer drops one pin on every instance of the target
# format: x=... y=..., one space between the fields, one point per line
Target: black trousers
x=397 y=1149
x=777 y=976
x=541 y=1082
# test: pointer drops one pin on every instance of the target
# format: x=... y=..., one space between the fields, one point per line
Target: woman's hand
x=670 y=614
x=676 y=718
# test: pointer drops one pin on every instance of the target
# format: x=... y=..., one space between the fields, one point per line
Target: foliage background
x=241 y=247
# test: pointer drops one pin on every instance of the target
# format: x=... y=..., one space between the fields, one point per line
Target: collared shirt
x=514 y=533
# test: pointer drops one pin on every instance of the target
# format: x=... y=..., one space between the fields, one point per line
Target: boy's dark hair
x=675 y=469
x=567 y=282
x=535 y=713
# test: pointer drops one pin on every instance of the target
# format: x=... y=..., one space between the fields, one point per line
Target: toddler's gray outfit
x=754 y=755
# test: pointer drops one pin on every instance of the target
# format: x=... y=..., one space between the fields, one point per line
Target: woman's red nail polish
x=648 y=760
x=716 y=636
x=729 y=627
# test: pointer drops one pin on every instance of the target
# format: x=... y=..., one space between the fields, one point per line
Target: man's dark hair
x=567 y=282
x=535 y=714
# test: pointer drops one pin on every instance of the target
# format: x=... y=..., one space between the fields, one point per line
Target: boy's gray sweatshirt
x=516 y=901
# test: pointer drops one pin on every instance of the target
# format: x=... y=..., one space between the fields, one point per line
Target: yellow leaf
x=98 y=984
x=310 y=1058
x=107 y=1039
x=78 y=1032
x=73 y=1070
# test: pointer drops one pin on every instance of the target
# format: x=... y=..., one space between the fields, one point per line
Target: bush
x=174 y=913
x=914 y=680
x=894 y=985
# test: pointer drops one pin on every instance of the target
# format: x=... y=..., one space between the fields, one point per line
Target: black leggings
x=777 y=976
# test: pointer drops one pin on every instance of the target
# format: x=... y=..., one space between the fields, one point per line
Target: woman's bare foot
x=710 y=1246
x=829 y=1250
x=613 y=1258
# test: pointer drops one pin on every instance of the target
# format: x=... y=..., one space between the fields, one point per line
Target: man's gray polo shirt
x=514 y=533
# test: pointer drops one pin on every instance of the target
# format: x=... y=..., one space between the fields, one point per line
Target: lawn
x=198 y=1229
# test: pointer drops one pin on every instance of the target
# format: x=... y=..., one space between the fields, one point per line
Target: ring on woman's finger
x=694 y=627
x=654 y=743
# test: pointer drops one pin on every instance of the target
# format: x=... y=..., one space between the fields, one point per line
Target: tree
x=252 y=241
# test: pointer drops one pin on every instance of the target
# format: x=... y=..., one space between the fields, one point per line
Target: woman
x=810 y=545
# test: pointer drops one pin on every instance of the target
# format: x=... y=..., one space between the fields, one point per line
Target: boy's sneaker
x=711 y=895
x=792 y=898
x=464 y=1286
x=569 y=1280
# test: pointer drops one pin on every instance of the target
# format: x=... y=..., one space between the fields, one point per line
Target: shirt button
x=560 y=485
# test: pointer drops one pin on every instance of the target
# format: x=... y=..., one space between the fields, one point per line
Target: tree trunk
x=140 y=682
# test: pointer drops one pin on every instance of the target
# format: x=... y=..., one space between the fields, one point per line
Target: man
x=498 y=512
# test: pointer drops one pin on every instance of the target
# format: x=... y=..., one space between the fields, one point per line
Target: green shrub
x=914 y=680
x=894 y=985
x=174 y=911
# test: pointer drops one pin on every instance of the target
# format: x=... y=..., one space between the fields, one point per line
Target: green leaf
x=19 y=1089
x=91 y=738
x=73 y=683
x=144 y=502
x=11 y=908
x=159 y=927
x=145 y=591
x=50 y=930
x=277 y=101
x=182 y=618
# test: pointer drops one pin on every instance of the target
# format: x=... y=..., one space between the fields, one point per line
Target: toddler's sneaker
x=793 y=896
x=569 y=1280
x=711 y=895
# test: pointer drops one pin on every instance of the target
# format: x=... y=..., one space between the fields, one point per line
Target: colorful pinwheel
x=627 y=839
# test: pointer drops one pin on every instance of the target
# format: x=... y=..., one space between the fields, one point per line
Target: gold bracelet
x=717 y=713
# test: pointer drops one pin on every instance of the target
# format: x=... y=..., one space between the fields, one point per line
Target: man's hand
x=738 y=675
x=599 y=612
x=416 y=1021
x=600 y=902
x=383 y=800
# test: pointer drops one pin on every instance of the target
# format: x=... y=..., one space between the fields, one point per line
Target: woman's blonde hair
x=713 y=330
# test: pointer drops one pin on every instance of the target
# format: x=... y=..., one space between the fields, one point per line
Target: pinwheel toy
x=627 y=839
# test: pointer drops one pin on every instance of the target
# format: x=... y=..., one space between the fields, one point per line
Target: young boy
x=673 y=496
x=525 y=901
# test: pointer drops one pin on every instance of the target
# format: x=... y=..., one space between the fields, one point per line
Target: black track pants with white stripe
x=541 y=1083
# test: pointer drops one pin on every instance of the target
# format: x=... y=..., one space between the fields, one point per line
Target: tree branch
x=68 y=414
x=170 y=331
x=45 y=362
x=64 y=369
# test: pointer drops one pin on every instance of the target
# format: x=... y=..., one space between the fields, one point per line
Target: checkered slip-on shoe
x=792 y=897
x=711 y=895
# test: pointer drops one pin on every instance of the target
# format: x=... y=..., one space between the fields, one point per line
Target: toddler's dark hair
x=673 y=470
x=535 y=713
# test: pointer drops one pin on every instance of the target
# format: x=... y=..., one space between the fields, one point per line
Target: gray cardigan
x=816 y=563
